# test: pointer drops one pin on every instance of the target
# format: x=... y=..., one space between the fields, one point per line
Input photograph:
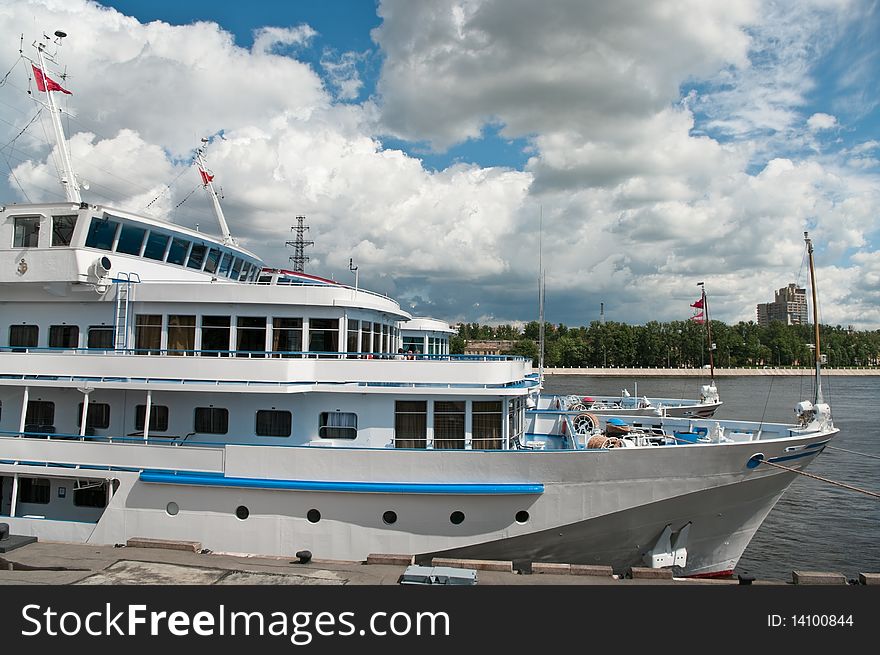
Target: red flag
x=205 y=177
x=44 y=80
x=698 y=318
x=698 y=304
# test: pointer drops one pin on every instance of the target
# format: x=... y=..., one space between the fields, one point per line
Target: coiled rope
x=820 y=478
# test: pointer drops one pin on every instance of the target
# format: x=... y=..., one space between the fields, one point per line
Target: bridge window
x=410 y=423
x=158 y=417
x=224 y=264
x=236 y=268
x=449 y=424
x=97 y=416
x=178 y=250
x=131 y=238
x=212 y=260
x=273 y=423
x=63 y=336
x=62 y=230
x=23 y=336
x=337 y=425
x=26 y=232
x=102 y=233
x=487 y=425
x=212 y=420
x=197 y=256
x=157 y=244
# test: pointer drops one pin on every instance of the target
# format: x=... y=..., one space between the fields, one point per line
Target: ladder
x=124 y=296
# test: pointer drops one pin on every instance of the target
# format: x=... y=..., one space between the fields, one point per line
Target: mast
x=710 y=345
x=208 y=183
x=541 y=288
x=68 y=176
x=818 y=351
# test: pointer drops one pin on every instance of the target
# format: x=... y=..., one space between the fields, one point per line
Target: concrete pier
x=720 y=372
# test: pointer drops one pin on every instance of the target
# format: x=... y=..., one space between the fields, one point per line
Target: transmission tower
x=299 y=258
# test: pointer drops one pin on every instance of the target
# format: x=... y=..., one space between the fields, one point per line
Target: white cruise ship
x=158 y=382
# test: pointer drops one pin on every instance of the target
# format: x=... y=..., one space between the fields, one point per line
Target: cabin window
x=100 y=337
x=131 y=238
x=63 y=336
x=385 y=345
x=102 y=233
x=224 y=264
x=516 y=420
x=251 y=335
x=435 y=346
x=366 y=337
x=23 y=336
x=410 y=423
x=353 y=337
x=177 y=251
x=97 y=416
x=33 y=490
x=212 y=260
x=487 y=424
x=215 y=335
x=157 y=244
x=212 y=420
x=449 y=424
x=25 y=231
x=324 y=335
x=197 y=256
x=158 y=418
x=40 y=416
x=245 y=271
x=338 y=425
x=181 y=334
x=416 y=344
x=236 y=268
x=90 y=493
x=62 y=230
x=273 y=423
x=287 y=336
x=148 y=333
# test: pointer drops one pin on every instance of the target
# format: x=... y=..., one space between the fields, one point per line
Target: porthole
x=242 y=512
x=522 y=516
x=456 y=517
x=389 y=517
x=313 y=516
x=172 y=509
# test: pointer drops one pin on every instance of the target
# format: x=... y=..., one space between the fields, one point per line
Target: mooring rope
x=853 y=452
x=817 y=477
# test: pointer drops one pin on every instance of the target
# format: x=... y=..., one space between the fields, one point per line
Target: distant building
x=489 y=347
x=789 y=306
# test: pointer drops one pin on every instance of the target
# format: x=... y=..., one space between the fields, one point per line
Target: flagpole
x=705 y=302
x=207 y=182
x=68 y=178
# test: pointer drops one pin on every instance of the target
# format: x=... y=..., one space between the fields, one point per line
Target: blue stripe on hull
x=209 y=480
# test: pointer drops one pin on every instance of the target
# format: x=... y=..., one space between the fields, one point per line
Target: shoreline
x=704 y=373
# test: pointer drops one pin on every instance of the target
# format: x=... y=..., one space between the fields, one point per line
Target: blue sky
x=654 y=144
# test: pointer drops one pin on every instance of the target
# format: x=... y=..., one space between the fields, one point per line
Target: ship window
x=224 y=264
x=197 y=256
x=273 y=423
x=130 y=240
x=251 y=335
x=158 y=417
x=178 y=250
x=410 y=423
x=23 y=336
x=98 y=416
x=215 y=336
x=33 y=490
x=157 y=244
x=181 y=334
x=147 y=333
x=449 y=424
x=236 y=268
x=212 y=260
x=324 y=335
x=351 y=344
x=487 y=425
x=515 y=420
x=245 y=271
x=62 y=230
x=366 y=337
x=26 y=231
x=287 y=335
x=40 y=416
x=90 y=493
x=212 y=420
x=63 y=336
x=416 y=344
x=100 y=337
x=338 y=425
x=102 y=232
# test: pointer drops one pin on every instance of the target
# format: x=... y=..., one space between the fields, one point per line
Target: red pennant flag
x=698 y=318
x=698 y=304
x=44 y=80
x=205 y=177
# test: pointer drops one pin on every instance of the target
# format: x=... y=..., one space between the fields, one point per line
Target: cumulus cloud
x=820 y=121
x=270 y=40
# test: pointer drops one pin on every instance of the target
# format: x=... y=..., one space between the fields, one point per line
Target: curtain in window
x=410 y=423
x=487 y=425
x=449 y=424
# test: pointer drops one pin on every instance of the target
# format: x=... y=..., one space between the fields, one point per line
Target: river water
x=815 y=526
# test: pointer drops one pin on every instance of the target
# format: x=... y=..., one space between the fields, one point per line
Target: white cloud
x=820 y=121
x=269 y=40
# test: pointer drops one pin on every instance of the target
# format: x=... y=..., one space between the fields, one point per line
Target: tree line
x=679 y=344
